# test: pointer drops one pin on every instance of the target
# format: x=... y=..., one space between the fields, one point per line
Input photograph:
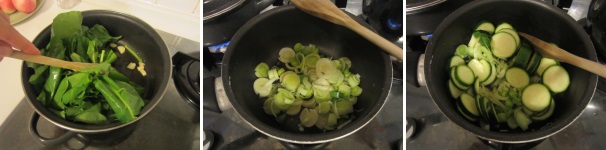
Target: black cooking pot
x=597 y=16
x=533 y=17
x=222 y=18
x=260 y=40
x=136 y=34
x=424 y=16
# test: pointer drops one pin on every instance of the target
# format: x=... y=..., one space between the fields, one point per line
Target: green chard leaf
x=79 y=83
x=98 y=69
x=57 y=103
x=115 y=75
x=42 y=98
x=99 y=34
x=92 y=54
x=66 y=24
x=122 y=98
x=75 y=57
x=92 y=115
x=110 y=57
x=59 y=113
x=39 y=75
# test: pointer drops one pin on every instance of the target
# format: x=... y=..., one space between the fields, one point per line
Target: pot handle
x=262 y=4
x=415 y=73
x=595 y=10
x=48 y=141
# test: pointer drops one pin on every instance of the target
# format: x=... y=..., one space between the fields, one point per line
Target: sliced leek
x=317 y=89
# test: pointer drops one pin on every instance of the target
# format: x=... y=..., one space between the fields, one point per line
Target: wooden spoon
x=554 y=52
x=40 y=59
x=326 y=10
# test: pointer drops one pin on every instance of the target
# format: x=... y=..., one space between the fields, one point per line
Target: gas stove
x=223 y=128
x=432 y=126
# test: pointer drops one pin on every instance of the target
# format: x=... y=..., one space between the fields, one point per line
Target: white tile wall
x=180 y=5
x=197 y=10
x=149 y=1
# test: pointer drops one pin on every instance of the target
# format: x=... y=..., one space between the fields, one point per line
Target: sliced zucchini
x=492 y=77
x=469 y=105
x=523 y=56
x=527 y=111
x=487 y=68
x=534 y=62
x=480 y=105
x=547 y=114
x=464 y=75
x=503 y=45
x=488 y=108
x=503 y=25
x=454 y=91
x=456 y=60
x=478 y=69
x=517 y=77
x=536 y=97
x=455 y=82
x=513 y=33
x=544 y=64
x=465 y=115
x=486 y=26
x=556 y=79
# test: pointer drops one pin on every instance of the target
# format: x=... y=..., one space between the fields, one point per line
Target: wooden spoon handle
x=588 y=65
x=391 y=48
x=40 y=59
x=326 y=10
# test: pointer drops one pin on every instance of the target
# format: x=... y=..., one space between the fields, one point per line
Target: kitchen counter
x=11 y=91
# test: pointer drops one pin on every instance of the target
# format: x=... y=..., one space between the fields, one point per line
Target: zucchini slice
x=465 y=115
x=480 y=104
x=486 y=26
x=487 y=69
x=492 y=77
x=535 y=60
x=544 y=64
x=523 y=56
x=478 y=69
x=456 y=60
x=469 y=105
x=517 y=77
x=503 y=45
x=454 y=91
x=536 y=97
x=556 y=79
x=503 y=25
x=455 y=82
x=513 y=33
x=464 y=75
x=547 y=114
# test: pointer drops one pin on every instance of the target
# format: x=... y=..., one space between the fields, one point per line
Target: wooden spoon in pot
x=326 y=10
x=554 y=52
x=40 y=59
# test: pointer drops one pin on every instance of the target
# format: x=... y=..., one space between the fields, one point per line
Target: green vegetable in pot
x=95 y=95
x=318 y=89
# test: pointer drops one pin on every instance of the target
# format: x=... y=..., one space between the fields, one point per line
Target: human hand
x=10 y=37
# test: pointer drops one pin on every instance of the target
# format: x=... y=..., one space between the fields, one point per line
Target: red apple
x=25 y=6
x=7 y=6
